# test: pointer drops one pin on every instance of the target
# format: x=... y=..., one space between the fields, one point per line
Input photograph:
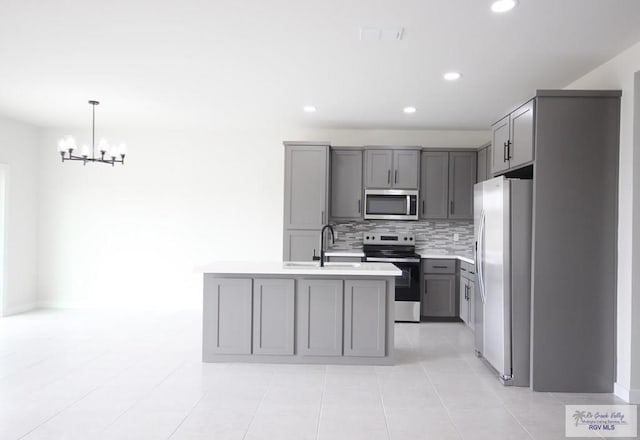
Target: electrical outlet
x=456 y=236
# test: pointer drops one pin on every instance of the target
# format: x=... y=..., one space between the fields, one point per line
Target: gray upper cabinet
x=306 y=184
x=484 y=164
x=273 y=316
x=499 y=140
x=301 y=245
x=364 y=318
x=229 y=302
x=320 y=317
x=405 y=169
x=434 y=185
x=391 y=169
x=346 y=184
x=462 y=177
x=513 y=139
x=521 y=148
x=378 y=168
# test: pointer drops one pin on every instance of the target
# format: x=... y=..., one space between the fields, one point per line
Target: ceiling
x=255 y=63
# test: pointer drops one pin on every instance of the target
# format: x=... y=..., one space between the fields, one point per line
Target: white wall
x=620 y=73
x=18 y=157
x=132 y=236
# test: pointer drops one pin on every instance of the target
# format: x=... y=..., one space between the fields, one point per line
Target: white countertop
x=350 y=253
x=301 y=268
x=423 y=254
x=427 y=254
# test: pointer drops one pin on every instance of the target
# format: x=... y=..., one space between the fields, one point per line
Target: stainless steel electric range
x=398 y=249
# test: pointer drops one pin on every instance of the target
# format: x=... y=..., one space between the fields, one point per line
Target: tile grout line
x=264 y=395
x=324 y=386
x=206 y=393
x=384 y=410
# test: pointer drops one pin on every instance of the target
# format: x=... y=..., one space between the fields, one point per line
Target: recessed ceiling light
x=409 y=110
x=503 y=5
x=452 y=76
x=309 y=108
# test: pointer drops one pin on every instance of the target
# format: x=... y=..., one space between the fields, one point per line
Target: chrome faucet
x=333 y=240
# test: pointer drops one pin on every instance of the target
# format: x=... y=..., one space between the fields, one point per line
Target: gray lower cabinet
x=320 y=317
x=273 y=316
x=301 y=245
x=434 y=185
x=462 y=177
x=364 y=318
x=346 y=183
x=472 y=304
x=439 y=296
x=463 y=300
x=229 y=303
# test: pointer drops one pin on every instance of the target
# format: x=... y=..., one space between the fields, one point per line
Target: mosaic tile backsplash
x=433 y=236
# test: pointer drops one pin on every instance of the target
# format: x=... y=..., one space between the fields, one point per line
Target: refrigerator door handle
x=479 y=247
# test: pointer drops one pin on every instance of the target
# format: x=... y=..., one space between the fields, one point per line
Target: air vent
x=379 y=34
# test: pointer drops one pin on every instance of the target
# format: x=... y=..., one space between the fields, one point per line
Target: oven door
x=407 y=284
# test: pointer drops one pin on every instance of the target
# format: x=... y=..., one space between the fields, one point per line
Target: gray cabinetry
x=301 y=245
x=306 y=186
x=391 y=169
x=346 y=183
x=462 y=177
x=229 y=302
x=364 y=318
x=513 y=139
x=467 y=293
x=439 y=288
x=484 y=164
x=378 y=168
x=434 y=184
x=320 y=317
x=273 y=316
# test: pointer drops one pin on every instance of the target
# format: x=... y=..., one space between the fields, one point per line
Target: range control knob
x=405 y=238
x=367 y=237
x=411 y=238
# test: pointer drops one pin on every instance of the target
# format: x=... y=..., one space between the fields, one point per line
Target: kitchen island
x=299 y=312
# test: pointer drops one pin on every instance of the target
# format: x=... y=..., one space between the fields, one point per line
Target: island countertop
x=310 y=268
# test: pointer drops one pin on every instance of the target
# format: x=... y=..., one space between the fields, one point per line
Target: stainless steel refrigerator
x=502 y=223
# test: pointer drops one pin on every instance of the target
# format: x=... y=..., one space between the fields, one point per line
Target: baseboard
x=626 y=394
x=20 y=308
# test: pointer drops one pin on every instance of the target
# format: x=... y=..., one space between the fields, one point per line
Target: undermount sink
x=294 y=264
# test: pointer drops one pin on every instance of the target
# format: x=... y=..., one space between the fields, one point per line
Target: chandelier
x=110 y=154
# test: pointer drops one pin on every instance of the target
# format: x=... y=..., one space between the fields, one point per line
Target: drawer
x=439 y=266
x=467 y=269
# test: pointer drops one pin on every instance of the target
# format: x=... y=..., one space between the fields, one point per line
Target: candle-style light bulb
x=71 y=143
x=122 y=149
x=103 y=145
x=113 y=152
x=62 y=146
x=85 y=151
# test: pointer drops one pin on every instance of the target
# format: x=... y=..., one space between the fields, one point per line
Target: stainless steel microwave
x=390 y=204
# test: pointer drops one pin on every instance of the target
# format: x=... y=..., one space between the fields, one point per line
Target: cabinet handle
x=509 y=155
x=504 y=152
x=440 y=267
x=396 y=178
x=359 y=206
x=423 y=206
x=388 y=176
x=322 y=218
x=451 y=206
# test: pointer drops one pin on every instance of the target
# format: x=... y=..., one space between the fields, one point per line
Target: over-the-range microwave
x=390 y=204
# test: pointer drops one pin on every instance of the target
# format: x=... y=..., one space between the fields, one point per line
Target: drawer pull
x=440 y=267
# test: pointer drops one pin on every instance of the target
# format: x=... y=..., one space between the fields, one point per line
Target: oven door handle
x=391 y=260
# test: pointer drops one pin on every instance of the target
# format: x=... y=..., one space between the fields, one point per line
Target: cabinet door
x=472 y=304
x=434 y=185
x=378 y=168
x=439 y=296
x=320 y=321
x=482 y=165
x=273 y=312
x=462 y=177
x=521 y=147
x=499 y=140
x=346 y=184
x=306 y=182
x=227 y=315
x=464 y=304
x=301 y=245
x=364 y=318
x=406 y=164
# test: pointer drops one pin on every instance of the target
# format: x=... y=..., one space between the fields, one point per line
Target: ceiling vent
x=378 y=34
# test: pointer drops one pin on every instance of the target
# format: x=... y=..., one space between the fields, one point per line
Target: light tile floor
x=134 y=375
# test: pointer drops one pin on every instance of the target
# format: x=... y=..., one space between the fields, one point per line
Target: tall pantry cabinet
x=306 y=198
